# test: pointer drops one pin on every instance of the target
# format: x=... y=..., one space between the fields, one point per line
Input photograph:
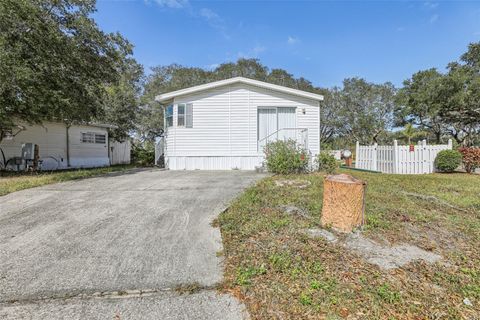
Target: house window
x=181 y=115
x=88 y=137
x=100 y=138
x=92 y=137
x=189 y=116
x=169 y=116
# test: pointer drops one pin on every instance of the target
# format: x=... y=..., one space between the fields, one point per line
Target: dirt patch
x=385 y=256
x=300 y=184
x=293 y=210
x=321 y=233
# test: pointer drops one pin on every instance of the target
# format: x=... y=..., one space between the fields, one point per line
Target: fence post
x=450 y=145
x=375 y=157
x=395 y=156
x=418 y=162
x=424 y=155
x=357 y=154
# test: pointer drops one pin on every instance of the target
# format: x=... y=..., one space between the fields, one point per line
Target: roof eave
x=212 y=85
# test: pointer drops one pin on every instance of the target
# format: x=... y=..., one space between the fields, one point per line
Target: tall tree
x=368 y=109
x=54 y=61
x=248 y=68
x=121 y=102
x=421 y=100
x=332 y=121
x=281 y=77
x=460 y=96
x=446 y=103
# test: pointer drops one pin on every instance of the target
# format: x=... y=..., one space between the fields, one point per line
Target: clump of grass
x=245 y=275
x=387 y=294
x=20 y=181
x=306 y=299
x=188 y=288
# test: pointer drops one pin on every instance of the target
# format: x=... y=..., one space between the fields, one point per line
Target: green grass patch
x=12 y=182
x=282 y=273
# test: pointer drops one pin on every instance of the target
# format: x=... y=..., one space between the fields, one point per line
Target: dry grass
x=18 y=181
x=282 y=274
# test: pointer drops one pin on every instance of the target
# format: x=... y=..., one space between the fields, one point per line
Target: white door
x=267 y=126
x=287 y=122
x=271 y=121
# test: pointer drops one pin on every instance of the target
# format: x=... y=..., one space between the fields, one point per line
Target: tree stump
x=343 y=202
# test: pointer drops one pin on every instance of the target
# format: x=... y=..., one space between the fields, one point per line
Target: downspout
x=108 y=148
x=68 y=146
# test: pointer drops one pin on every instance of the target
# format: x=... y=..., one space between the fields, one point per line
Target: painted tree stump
x=343 y=202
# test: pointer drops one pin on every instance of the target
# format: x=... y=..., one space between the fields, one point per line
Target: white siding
x=225 y=126
x=51 y=138
x=86 y=155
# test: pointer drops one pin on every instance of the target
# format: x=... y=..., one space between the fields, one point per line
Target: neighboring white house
x=224 y=125
x=62 y=147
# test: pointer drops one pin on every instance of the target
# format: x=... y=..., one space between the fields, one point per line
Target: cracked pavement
x=118 y=247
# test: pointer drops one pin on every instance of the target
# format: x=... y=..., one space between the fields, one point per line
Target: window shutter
x=189 y=116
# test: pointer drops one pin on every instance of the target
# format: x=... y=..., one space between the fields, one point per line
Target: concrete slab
x=145 y=230
x=207 y=305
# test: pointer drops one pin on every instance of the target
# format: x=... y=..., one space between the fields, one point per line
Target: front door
x=275 y=123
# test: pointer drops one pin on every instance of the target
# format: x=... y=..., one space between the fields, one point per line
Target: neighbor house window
x=181 y=115
x=100 y=138
x=88 y=137
x=92 y=137
x=169 y=116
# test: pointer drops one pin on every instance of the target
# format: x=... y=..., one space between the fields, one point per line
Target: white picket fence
x=399 y=159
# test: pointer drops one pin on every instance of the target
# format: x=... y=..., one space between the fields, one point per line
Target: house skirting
x=213 y=162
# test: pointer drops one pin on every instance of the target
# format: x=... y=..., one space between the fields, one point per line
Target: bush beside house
x=326 y=162
x=143 y=154
x=285 y=157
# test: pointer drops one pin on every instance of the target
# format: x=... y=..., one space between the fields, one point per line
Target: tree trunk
x=438 y=137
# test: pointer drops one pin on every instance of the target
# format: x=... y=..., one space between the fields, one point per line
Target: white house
x=62 y=147
x=224 y=125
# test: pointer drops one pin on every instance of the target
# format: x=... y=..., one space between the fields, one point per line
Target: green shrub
x=285 y=157
x=326 y=162
x=448 y=160
x=143 y=153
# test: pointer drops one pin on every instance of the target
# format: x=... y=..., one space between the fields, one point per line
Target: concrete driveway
x=117 y=247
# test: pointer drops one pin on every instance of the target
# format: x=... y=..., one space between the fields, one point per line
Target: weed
x=188 y=288
x=245 y=275
x=280 y=261
x=306 y=299
x=315 y=284
x=387 y=294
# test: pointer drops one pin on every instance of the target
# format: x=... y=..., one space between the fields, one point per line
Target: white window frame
x=87 y=137
x=167 y=116
x=189 y=115
x=102 y=136
x=181 y=116
x=93 y=137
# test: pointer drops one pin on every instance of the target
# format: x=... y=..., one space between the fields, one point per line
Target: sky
x=322 y=41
